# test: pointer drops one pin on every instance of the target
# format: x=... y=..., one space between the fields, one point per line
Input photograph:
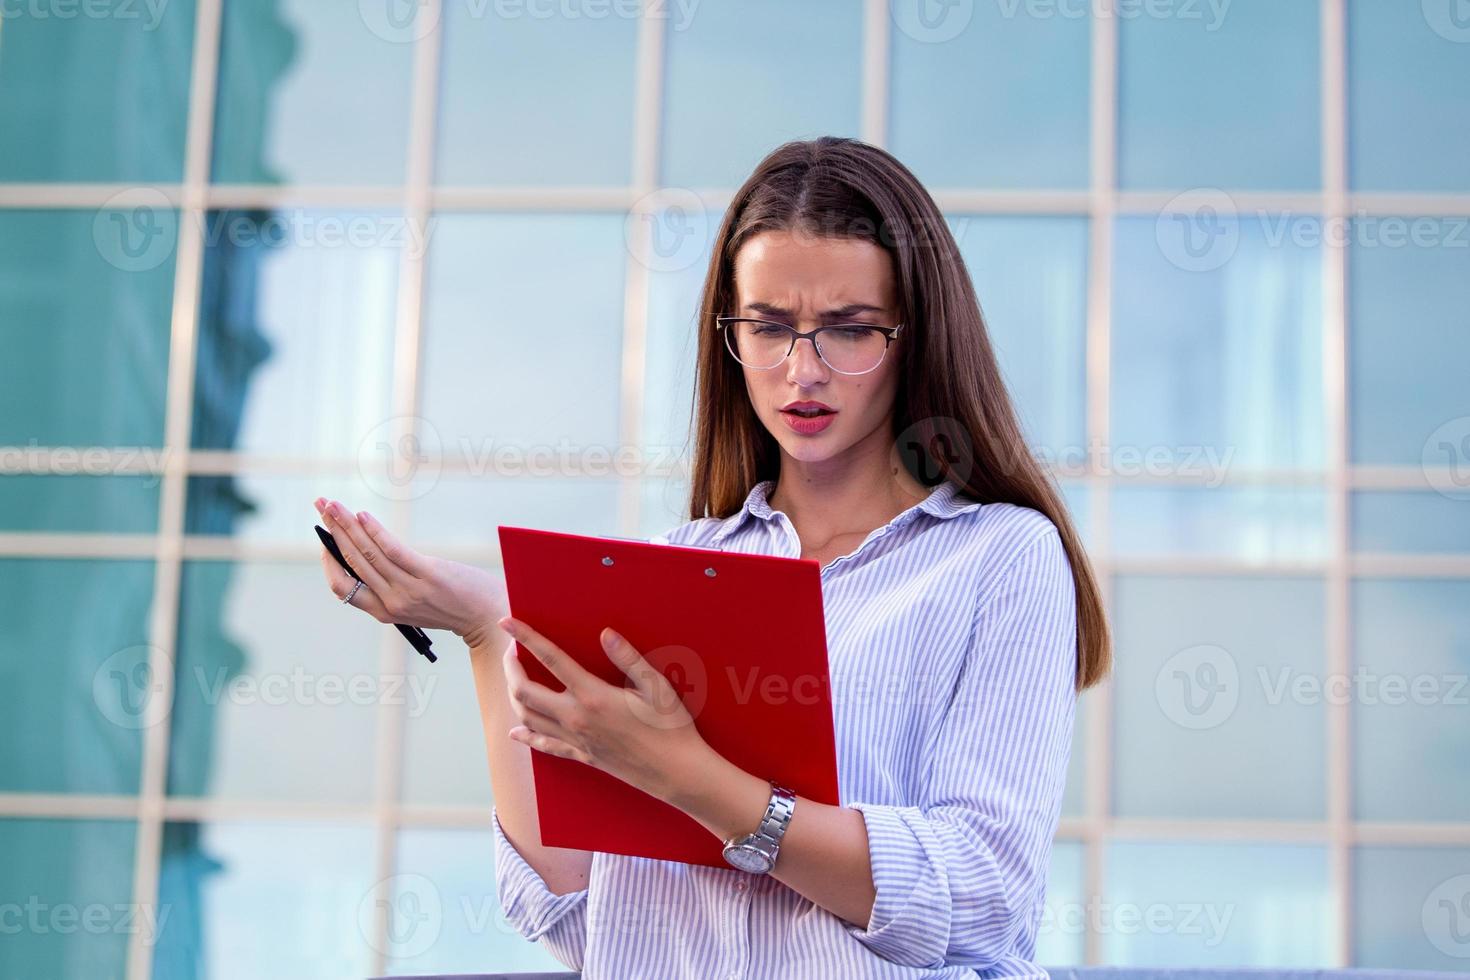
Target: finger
x=545 y=724
x=349 y=537
x=554 y=658
x=532 y=695
x=402 y=556
x=627 y=658
x=341 y=585
x=546 y=743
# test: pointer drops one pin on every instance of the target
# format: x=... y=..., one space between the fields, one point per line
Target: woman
x=962 y=620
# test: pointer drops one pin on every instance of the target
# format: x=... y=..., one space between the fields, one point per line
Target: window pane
x=310 y=93
x=75 y=692
x=257 y=900
x=1199 y=904
x=79 y=504
x=1411 y=644
x=299 y=303
x=1074 y=799
x=665 y=505
x=1031 y=277
x=274 y=670
x=1388 y=522
x=445 y=914
x=68 y=888
x=991 y=95
x=1401 y=55
x=95 y=99
x=273 y=509
x=1213 y=676
x=1221 y=360
x=795 y=70
x=1248 y=117
x=1409 y=907
x=1241 y=523
x=1409 y=288
x=444 y=761
x=578 y=128
x=523 y=333
x=460 y=512
x=1062 y=931
x=85 y=304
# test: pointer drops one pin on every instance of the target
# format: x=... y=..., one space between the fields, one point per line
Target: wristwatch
x=757 y=852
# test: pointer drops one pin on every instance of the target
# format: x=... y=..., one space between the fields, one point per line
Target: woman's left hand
x=640 y=733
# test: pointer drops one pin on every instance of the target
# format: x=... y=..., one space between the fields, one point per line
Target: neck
x=865 y=489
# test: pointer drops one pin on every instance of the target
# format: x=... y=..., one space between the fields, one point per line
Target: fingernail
x=610 y=640
x=363 y=515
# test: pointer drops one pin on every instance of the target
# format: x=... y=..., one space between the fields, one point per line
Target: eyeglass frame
x=889 y=333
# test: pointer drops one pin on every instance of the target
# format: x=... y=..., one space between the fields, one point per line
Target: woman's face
x=806 y=282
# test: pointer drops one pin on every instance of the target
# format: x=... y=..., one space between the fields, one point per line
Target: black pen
x=415 y=636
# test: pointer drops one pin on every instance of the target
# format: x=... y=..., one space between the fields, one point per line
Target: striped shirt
x=951 y=641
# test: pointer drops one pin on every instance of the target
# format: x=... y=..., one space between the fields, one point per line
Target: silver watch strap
x=778 y=813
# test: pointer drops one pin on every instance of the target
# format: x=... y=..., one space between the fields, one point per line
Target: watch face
x=747 y=859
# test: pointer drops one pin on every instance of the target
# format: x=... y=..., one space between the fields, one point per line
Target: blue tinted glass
x=265 y=900
x=1248 y=116
x=460 y=512
x=1074 y=799
x=991 y=95
x=445 y=914
x=1407 y=77
x=1411 y=647
x=1387 y=522
x=795 y=70
x=578 y=127
x=1078 y=498
x=300 y=304
x=79 y=503
x=75 y=692
x=85 y=303
x=310 y=92
x=1217 y=352
x=1062 y=931
x=1213 y=676
x=94 y=98
x=523 y=338
x=270 y=667
x=665 y=505
x=1241 y=523
x=68 y=888
x=444 y=748
x=1199 y=904
x=1409 y=288
x=1031 y=277
x=1410 y=908
x=275 y=509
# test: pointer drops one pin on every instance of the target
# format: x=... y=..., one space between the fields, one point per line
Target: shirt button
x=741 y=885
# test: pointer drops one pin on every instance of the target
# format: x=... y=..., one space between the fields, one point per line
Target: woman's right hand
x=400 y=585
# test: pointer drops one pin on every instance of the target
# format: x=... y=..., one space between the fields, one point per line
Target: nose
x=805 y=366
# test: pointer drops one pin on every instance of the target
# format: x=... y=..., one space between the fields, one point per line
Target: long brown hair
x=952 y=414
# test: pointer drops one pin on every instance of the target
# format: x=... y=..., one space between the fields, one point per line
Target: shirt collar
x=944 y=501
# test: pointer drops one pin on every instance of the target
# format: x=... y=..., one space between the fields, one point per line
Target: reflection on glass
x=296 y=331
x=578 y=128
x=1406 y=54
x=1239 y=523
x=74 y=878
x=252 y=900
x=85 y=301
x=1409 y=908
x=1000 y=104
x=1265 y=905
x=1031 y=277
x=1217 y=345
x=1408 y=346
x=1237 y=123
x=451 y=871
x=94 y=99
x=75 y=692
x=1392 y=522
x=310 y=92
x=79 y=504
x=794 y=69
x=523 y=334
x=1060 y=936
x=1214 y=676
x=1411 y=650
x=272 y=668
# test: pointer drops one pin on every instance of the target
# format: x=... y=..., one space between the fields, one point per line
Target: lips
x=808 y=410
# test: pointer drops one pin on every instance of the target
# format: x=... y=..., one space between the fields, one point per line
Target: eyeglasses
x=847 y=348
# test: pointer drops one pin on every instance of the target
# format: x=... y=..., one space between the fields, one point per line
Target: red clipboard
x=742 y=638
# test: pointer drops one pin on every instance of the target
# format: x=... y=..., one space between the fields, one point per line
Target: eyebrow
x=851 y=309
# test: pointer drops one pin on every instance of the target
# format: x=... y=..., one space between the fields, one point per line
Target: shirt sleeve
x=960 y=876
x=559 y=922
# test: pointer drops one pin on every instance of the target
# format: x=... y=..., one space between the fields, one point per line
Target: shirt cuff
x=534 y=910
x=911 y=920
